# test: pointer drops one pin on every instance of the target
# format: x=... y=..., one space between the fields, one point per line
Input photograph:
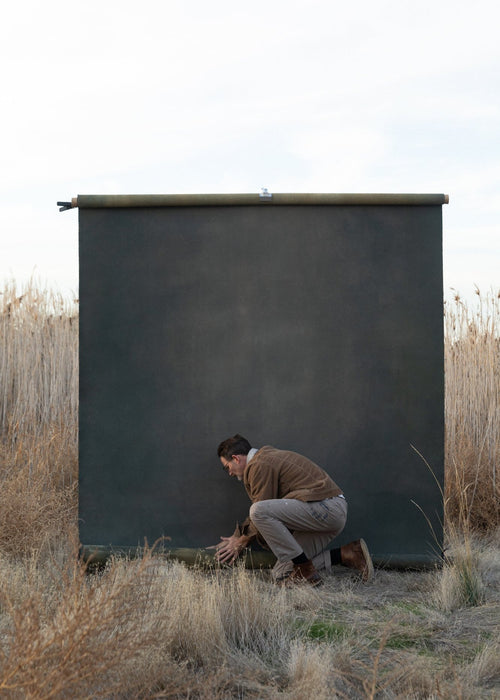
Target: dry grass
x=38 y=493
x=153 y=628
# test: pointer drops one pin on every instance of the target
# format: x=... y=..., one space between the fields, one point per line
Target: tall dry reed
x=38 y=362
x=38 y=417
x=472 y=412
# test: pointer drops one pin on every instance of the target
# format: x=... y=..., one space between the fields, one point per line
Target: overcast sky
x=161 y=96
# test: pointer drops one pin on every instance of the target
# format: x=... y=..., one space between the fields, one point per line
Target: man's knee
x=258 y=510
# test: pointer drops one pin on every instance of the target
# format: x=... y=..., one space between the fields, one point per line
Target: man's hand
x=229 y=549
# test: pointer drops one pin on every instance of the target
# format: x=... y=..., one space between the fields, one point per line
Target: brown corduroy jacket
x=274 y=473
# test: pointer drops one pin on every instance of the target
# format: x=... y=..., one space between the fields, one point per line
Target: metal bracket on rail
x=64 y=206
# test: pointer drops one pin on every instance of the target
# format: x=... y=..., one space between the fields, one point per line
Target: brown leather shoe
x=303 y=573
x=355 y=555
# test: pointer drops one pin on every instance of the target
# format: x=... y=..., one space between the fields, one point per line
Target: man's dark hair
x=236 y=445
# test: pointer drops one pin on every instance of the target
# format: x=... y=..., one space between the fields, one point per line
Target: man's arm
x=262 y=482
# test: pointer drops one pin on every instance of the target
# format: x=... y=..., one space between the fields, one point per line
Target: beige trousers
x=291 y=527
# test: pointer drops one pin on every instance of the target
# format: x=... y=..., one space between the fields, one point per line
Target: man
x=297 y=509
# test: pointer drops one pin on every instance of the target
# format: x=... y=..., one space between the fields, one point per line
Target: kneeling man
x=297 y=509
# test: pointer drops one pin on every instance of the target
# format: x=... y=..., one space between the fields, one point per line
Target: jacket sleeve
x=246 y=528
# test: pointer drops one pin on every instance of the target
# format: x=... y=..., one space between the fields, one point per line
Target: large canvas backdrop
x=314 y=327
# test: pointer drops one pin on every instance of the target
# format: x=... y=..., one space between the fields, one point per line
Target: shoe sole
x=367 y=574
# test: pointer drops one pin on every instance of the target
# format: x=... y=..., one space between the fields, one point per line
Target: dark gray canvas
x=316 y=328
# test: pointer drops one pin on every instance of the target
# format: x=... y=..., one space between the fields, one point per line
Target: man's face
x=235 y=466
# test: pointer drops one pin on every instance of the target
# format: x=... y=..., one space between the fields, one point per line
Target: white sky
x=163 y=96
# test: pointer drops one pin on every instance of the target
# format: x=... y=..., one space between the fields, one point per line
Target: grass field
x=152 y=628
